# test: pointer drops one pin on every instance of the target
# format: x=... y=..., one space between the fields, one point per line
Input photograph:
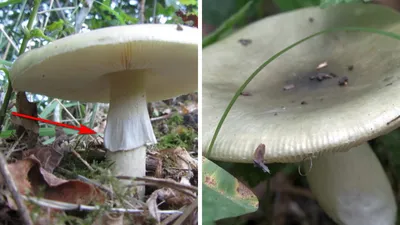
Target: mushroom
x=125 y=66
x=335 y=118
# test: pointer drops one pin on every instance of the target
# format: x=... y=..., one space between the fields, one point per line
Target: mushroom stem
x=128 y=127
x=353 y=188
x=130 y=163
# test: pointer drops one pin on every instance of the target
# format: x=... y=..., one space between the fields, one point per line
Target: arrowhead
x=86 y=130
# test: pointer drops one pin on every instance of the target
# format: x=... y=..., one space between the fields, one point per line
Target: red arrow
x=82 y=129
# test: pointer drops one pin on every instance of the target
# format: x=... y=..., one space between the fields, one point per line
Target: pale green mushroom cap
x=74 y=67
x=334 y=118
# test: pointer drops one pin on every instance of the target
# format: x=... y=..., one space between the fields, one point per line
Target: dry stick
x=48 y=17
x=141 y=12
x=110 y=193
x=172 y=217
x=154 y=11
x=189 y=210
x=82 y=160
x=23 y=211
x=161 y=182
x=9 y=38
x=60 y=13
x=71 y=206
x=6 y=51
x=11 y=150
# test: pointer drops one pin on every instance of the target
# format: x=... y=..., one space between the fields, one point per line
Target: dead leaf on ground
x=171 y=198
x=31 y=178
x=51 y=156
x=152 y=205
x=178 y=163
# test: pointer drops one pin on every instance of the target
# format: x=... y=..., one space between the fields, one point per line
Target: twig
x=9 y=38
x=11 y=150
x=70 y=206
x=23 y=211
x=141 y=12
x=189 y=210
x=47 y=17
x=6 y=51
x=388 y=123
x=160 y=182
x=82 y=160
x=6 y=100
x=172 y=217
x=155 y=11
x=161 y=117
x=185 y=189
x=56 y=9
x=60 y=13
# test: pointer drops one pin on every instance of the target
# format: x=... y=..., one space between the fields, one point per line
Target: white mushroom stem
x=128 y=128
x=353 y=188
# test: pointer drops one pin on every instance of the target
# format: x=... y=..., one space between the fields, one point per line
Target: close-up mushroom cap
x=74 y=67
x=293 y=107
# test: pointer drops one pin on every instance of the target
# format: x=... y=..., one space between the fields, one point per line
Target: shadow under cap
x=313 y=116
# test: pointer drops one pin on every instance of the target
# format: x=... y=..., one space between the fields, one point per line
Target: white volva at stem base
x=353 y=188
x=128 y=128
x=130 y=163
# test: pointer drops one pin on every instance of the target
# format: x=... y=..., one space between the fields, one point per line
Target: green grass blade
x=10 y=2
x=42 y=132
x=49 y=109
x=235 y=18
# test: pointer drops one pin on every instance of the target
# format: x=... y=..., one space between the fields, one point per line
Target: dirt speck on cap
x=245 y=42
x=288 y=87
x=245 y=93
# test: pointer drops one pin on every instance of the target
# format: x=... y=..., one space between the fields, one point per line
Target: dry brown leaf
x=152 y=205
x=19 y=171
x=30 y=177
x=173 y=198
x=51 y=156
